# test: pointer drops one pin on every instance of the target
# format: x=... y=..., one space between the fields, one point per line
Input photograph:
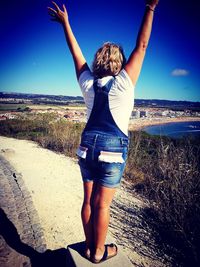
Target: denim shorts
x=102 y=158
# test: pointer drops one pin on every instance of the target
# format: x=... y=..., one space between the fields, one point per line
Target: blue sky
x=34 y=57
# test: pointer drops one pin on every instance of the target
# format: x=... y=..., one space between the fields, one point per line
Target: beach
x=139 y=124
x=54 y=185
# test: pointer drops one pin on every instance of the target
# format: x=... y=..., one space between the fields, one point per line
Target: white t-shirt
x=121 y=96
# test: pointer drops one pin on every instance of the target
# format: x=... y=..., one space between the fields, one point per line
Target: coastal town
x=140 y=117
x=144 y=113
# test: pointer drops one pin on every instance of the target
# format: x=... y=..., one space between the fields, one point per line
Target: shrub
x=63 y=137
x=46 y=129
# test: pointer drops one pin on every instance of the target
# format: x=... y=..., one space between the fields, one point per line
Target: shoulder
x=123 y=81
x=86 y=79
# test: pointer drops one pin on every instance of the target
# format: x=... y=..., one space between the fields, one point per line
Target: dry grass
x=52 y=133
x=167 y=172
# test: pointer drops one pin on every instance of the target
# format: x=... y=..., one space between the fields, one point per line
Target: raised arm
x=62 y=16
x=134 y=63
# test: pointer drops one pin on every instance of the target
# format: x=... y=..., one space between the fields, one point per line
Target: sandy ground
x=54 y=182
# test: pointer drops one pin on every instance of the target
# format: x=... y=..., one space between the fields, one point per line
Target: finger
x=56 y=6
x=64 y=8
x=52 y=10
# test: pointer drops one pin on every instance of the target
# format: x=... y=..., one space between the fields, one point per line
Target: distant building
x=135 y=114
x=158 y=114
x=143 y=114
x=3 y=117
x=7 y=116
x=165 y=113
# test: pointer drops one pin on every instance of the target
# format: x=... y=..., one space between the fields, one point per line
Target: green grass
x=12 y=107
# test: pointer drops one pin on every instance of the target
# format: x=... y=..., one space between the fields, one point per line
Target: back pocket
x=111 y=157
x=82 y=152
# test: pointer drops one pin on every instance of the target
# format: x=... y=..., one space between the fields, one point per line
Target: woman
x=108 y=94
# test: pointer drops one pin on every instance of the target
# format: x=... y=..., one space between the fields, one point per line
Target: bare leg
x=87 y=215
x=102 y=200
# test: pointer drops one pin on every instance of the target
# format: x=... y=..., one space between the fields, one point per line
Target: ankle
x=99 y=250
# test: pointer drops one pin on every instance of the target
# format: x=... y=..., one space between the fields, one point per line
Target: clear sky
x=34 y=57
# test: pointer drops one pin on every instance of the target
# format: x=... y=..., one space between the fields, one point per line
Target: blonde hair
x=108 y=60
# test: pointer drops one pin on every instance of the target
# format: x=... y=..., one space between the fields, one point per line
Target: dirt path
x=55 y=188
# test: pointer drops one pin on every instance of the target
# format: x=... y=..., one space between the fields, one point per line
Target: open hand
x=57 y=14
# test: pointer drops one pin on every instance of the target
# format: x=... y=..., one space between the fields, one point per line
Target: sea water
x=175 y=129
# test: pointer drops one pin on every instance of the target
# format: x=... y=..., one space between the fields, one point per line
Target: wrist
x=150 y=7
x=65 y=22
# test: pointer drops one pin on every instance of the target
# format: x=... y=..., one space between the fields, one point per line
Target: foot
x=109 y=252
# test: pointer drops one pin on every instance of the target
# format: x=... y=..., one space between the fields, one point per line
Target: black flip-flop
x=86 y=255
x=105 y=255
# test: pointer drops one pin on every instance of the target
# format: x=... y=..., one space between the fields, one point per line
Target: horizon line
x=11 y=92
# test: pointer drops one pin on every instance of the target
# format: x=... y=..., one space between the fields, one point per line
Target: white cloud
x=179 y=72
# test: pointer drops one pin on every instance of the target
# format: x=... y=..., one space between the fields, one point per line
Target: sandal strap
x=105 y=255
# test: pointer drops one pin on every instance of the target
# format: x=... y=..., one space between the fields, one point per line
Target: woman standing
x=108 y=94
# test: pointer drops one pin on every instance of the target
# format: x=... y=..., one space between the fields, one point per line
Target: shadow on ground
x=50 y=258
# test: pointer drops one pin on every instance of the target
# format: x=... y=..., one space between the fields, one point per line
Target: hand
x=152 y=3
x=57 y=14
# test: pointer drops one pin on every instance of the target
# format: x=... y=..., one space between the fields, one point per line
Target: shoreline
x=140 y=124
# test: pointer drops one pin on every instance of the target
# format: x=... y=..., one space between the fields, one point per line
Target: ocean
x=175 y=129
